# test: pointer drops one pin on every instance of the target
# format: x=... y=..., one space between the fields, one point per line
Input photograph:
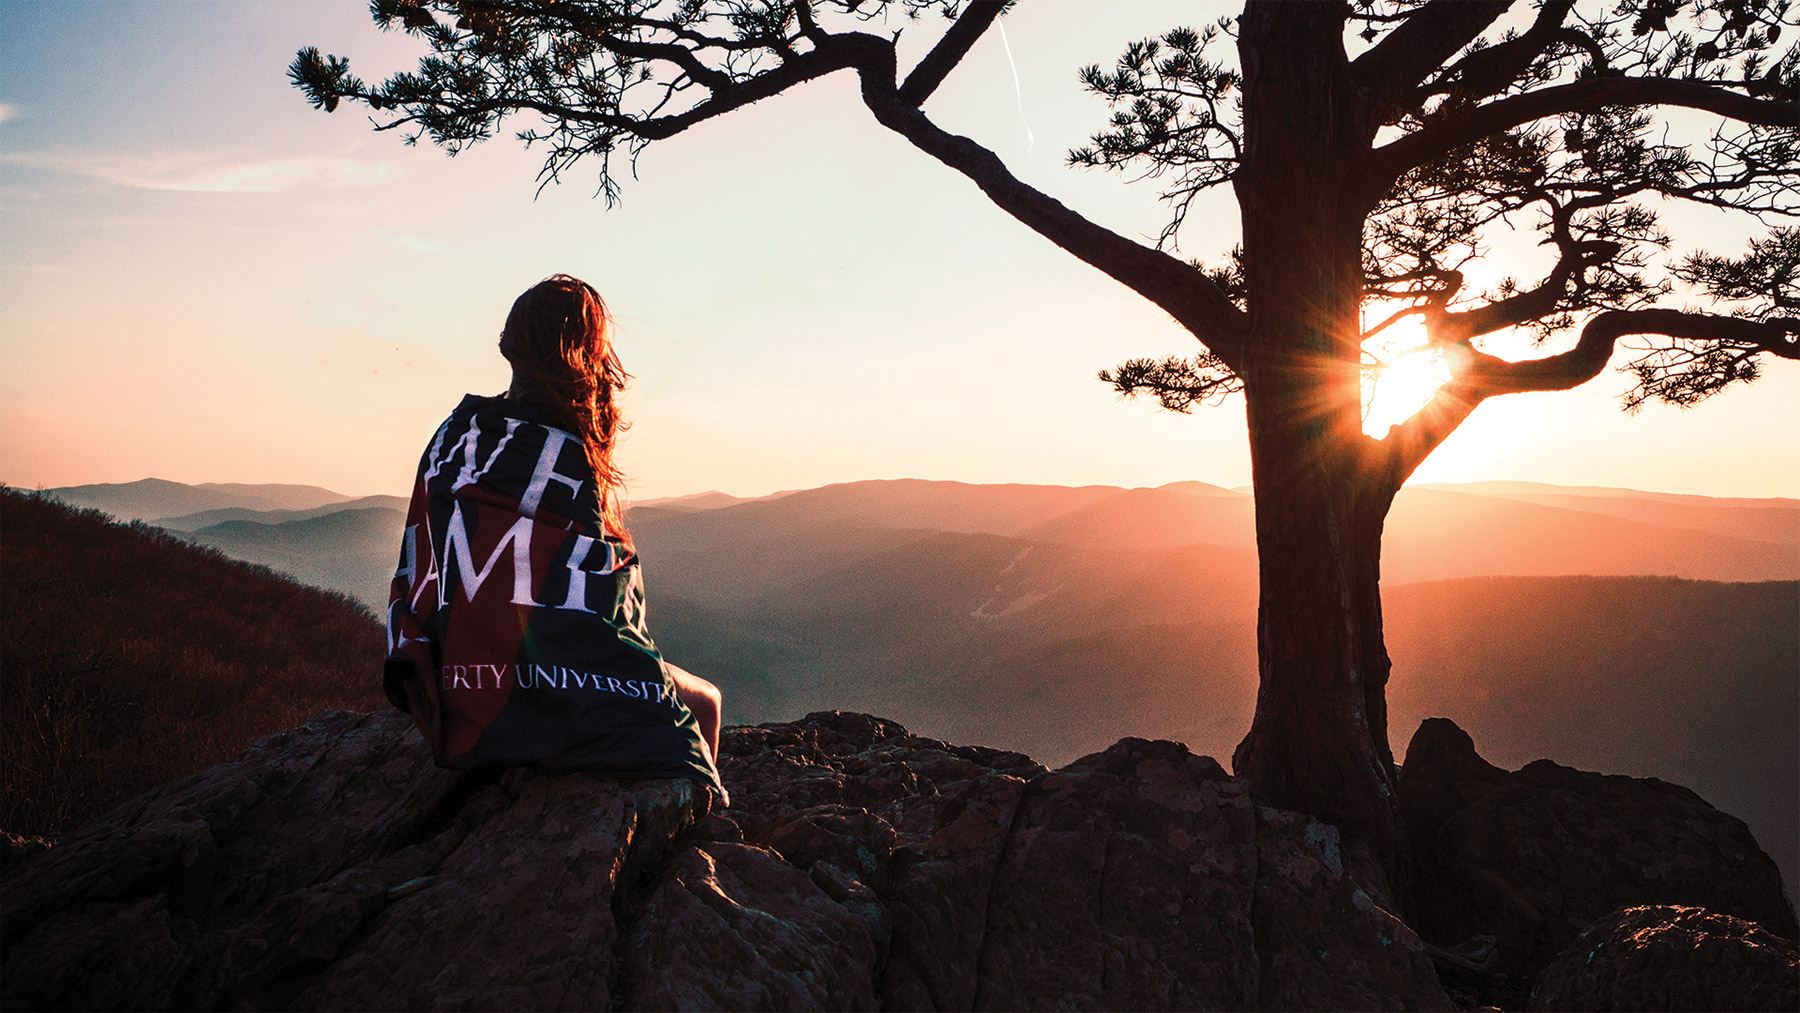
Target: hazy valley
x=1638 y=633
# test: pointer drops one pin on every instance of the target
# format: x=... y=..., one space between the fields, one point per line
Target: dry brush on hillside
x=132 y=658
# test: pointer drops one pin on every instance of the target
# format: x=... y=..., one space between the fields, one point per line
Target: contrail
x=1030 y=141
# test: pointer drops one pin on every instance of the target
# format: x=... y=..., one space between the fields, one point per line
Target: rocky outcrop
x=1534 y=856
x=1672 y=958
x=333 y=867
x=860 y=867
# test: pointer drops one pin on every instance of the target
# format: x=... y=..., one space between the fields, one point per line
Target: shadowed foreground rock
x=1534 y=856
x=1672 y=958
x=332 y=867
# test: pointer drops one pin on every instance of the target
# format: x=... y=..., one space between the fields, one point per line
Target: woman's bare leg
x=704 y=699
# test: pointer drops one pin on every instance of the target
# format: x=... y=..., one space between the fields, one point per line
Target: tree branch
x=1417 y=46
x=848 y=50
x=1183 y=292
x=1534 y=304
x=679 y=55
x=949 y=51
x=1490 y=376
x=1481 y=376
x=1489 y=71
x=1393 y=160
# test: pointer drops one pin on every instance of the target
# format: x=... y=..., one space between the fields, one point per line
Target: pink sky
x=205 y=280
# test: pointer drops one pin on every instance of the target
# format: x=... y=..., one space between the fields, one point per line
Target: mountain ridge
x=848 y=596
x=148 y=498
x=207 y=518
x=1434 y=532
x=1509 y=487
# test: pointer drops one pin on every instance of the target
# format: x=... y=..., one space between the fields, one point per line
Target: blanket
x=516 y=630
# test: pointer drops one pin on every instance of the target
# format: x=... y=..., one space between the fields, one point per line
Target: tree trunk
x=1318 y=742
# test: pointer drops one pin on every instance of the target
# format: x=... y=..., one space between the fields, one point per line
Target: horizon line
x=1243 y=490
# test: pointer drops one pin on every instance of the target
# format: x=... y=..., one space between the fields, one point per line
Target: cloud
x=8 y=111
x=199 y=173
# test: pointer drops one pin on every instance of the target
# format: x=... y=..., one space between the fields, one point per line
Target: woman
x=516 y=618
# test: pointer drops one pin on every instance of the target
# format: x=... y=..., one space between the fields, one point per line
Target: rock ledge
x=861 y=867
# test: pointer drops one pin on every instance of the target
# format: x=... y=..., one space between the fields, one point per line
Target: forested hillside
x=133 y=658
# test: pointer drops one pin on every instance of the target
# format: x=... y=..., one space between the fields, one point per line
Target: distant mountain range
x=152 y=498
x=223 y=515
x=314 y=535
x=1434 y=532
x=1640 y=633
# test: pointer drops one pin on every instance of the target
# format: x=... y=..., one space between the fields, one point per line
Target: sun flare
x=1404 y=374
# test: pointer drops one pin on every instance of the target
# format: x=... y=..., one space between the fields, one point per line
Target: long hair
x=557 y=338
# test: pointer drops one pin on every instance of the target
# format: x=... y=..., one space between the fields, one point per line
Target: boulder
x=863 y=806
x=1144 y=877
x=1672 y=958
x=1535 y=855
x=860 y=867
x=334 y=867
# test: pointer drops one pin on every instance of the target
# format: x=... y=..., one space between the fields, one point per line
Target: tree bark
x=1318 y=742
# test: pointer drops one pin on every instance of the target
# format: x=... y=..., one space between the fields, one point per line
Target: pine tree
x=1370 y=146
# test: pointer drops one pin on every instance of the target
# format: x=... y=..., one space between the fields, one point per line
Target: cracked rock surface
x=1534 y=856
x=860 y=867
x=1668 y=957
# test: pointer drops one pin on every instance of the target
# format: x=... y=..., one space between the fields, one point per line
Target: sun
x=1404 y=374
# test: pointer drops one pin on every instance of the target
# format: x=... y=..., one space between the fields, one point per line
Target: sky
x=204 y=279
